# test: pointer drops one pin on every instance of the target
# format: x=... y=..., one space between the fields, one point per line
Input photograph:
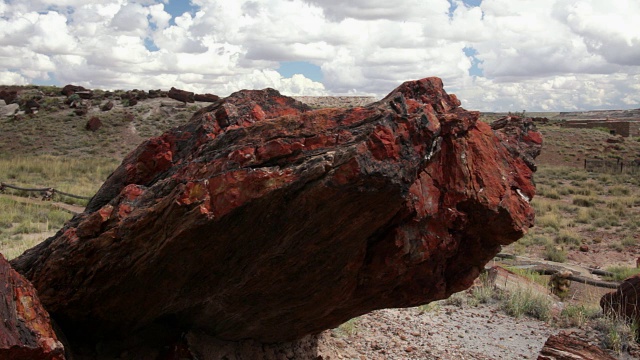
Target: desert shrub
x=551 y=220
x=629 y=241
x=619 y=191
x=618 y=332
x=568 y=237
x=576 y=315
x=526 y=302
x=621 y=272
x=348 y=328
x=584 y=201
x=553 y=253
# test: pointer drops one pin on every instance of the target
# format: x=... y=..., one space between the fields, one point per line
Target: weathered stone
x=72 y=89
x=261 y=219
x=85 y=94
x=93 y=124
x=181 y=95
x=31 y=106
x=625 y=301
x=206 y=97
x=25 y=330
x=566 y=346
x=81 y=111
x=8 y=110
x=107 y=106
x=155 y=94
x=132 y=102
x=9 y=96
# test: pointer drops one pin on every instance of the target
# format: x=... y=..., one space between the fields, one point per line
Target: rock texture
x=25 y=330
x=94 y=124
x=261 y=219
x=625 y=301
x=565 y=346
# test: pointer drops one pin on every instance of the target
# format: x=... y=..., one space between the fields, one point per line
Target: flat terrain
x=584 y=219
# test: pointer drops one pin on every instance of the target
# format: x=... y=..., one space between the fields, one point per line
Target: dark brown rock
x=566 y=346
x=584 y=248
x=31 y=106
x=72 y=89
x=155 y=94
x=206 y=97
x=625 y=301
x=93 y=124
x=181 y=95
x=9 y=96
x=132 y=102
x=107 y=106
x=81 y=111
x=261 y=219
x=25 y=330
x=86 y=94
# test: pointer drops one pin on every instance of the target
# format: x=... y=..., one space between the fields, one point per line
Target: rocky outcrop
x=261 y=219
x=625 y=301
x=181 y=95
x=25 y=330
x=566 y=346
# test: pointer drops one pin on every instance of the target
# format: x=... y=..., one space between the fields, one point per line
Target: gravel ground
x=448 y=332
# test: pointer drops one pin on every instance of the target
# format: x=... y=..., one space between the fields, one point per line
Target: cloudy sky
x=496 y=55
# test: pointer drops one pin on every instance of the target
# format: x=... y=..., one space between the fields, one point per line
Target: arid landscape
x=585 y=220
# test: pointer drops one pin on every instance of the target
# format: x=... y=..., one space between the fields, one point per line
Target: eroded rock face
x=25 y=329
x=261 y=219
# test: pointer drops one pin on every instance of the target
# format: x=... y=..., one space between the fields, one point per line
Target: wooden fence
x=612 y=166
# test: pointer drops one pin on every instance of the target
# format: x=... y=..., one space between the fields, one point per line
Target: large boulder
x=25 y=330
x=261 y=219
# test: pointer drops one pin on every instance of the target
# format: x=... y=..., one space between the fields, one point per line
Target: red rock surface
x=565 y=346
x=625 y=301
x=261 y=219
x=25 y=329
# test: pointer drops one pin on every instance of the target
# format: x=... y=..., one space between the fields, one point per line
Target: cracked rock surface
x=263 y=219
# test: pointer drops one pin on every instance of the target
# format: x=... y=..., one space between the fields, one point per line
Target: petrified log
x=566 y=346
x=181 y=95
x=25 y=330
x=261 y=219
x=206 y=97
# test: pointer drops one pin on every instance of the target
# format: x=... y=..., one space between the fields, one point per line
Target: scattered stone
x=93 y=124
x=107 y=106
x=181 y=95
x=262 y=219
x=81 y=111
x=584 y=248
x=25 y=329
x=566 y=346
x=9 y=110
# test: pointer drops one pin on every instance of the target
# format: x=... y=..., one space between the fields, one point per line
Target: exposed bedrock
x=262 y=219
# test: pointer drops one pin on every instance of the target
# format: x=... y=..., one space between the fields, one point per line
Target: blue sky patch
x=289 y=68
x=475 y=69
x=178 y=7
